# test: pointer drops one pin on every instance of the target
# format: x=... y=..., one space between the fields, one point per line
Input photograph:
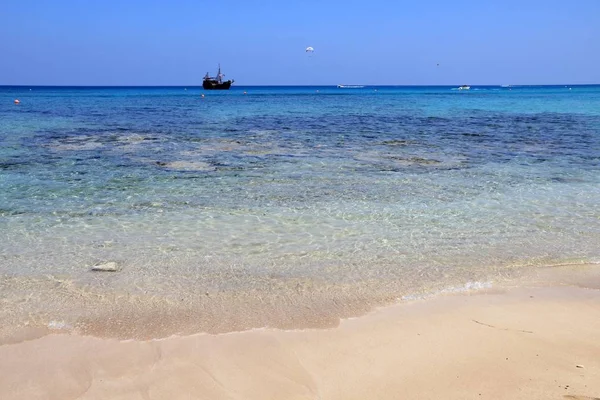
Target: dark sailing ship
x=217 y=82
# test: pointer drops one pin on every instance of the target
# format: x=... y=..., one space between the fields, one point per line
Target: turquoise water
x=389 y=190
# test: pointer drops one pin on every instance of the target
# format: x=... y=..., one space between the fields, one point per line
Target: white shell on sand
x=106 y=267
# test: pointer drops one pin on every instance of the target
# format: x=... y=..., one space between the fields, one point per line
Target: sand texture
x=524 y=343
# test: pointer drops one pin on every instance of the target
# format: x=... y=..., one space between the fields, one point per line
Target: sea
x=282 y=206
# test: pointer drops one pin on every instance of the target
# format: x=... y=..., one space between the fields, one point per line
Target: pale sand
x=526 y=343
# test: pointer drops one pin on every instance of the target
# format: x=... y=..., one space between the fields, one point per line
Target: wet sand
x=514 y=343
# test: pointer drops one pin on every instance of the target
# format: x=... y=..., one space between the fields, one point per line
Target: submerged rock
x=106 y=267
x=187 y=165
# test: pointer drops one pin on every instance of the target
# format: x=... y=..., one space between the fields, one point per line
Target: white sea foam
x=58 y=325
x=466 y=288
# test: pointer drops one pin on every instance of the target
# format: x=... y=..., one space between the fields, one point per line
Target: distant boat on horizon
x=350 y=86
x=464 y=87
x=216 y=83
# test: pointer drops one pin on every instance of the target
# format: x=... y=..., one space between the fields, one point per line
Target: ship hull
x=208 y=85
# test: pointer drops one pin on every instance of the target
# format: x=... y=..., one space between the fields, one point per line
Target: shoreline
x=540 y=340
x=289 y=305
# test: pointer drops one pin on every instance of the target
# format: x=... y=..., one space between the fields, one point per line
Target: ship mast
x=219 y=75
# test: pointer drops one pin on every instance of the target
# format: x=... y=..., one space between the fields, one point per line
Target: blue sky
x=134 y=42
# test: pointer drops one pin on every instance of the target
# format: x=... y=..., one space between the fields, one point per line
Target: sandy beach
x=532 y=342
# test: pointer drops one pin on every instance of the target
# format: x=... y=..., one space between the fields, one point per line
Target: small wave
x=58 y=325
x=467 y=287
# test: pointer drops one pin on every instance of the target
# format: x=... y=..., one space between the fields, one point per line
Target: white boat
x=464 y=87
x=350 y=86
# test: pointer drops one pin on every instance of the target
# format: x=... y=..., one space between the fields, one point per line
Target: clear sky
x=146 y=42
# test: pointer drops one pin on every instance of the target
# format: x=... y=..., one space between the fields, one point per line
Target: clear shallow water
x=386 y=190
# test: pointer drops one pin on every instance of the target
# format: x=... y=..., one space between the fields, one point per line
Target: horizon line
x=319 y=85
